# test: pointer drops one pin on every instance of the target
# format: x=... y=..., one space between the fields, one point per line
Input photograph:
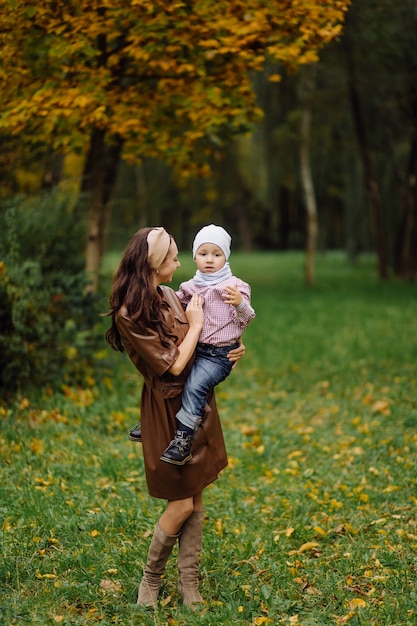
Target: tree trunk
x=97 y=186
x=111 y=166
x=243 y=202
x=92 y=188
x=370 y=181
x=141 y=192
x=406 y=250
x=308 y=85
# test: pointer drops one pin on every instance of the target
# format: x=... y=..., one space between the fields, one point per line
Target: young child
x=227 y=312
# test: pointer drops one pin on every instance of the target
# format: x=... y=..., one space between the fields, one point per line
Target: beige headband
x=158 y=246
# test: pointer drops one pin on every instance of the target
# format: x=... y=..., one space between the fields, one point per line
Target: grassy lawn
x=312 y=523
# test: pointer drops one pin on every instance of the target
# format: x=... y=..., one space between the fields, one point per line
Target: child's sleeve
x=184 y=295
x=245 y=311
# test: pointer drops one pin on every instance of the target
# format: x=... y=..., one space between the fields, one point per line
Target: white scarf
x=205 y=280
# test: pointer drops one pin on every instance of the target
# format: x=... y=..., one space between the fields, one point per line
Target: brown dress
x=160 y=401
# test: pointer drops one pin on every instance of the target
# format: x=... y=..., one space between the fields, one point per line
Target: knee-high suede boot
x=158 y=555
x=189 y=542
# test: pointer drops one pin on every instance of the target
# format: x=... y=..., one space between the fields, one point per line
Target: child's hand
x=232 y=295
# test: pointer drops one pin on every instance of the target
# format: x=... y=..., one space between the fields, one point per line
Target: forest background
x=308 y=156
x=294 y=125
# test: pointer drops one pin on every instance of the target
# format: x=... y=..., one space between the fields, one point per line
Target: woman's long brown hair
x=133 y=287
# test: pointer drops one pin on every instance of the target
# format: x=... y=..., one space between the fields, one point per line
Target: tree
x=308 y=86
x=380 y=40
x=371 y=182
x=161 y=78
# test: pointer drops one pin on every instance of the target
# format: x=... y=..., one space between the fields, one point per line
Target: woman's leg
x=189 y=549
x=198 y=502
x=163 y=540
x=175 y=514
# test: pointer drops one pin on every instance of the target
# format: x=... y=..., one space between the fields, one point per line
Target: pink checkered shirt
x=223 y=323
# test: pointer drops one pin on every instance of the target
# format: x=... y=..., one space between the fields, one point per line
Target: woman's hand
x=194 y=312
x=195 y=318
x=236 y=354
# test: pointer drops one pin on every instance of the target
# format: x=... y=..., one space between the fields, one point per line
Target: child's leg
x=135 y=433
x=209 y=369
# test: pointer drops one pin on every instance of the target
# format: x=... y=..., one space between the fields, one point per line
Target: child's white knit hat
x=213 y=234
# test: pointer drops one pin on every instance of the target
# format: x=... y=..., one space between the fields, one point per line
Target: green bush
x=45 y=312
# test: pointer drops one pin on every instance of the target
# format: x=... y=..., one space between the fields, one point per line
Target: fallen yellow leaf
x=357 y=602
x=309 y=545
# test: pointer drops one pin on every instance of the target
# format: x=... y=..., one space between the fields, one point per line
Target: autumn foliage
x=159 y=75
x=169 y=80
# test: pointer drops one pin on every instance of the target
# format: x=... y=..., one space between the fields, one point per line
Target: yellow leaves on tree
x=145 y=78
x=160 y=75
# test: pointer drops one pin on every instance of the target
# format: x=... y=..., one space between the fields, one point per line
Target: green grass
x=312 y=523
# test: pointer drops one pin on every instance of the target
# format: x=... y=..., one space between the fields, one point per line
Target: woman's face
x=167 y=268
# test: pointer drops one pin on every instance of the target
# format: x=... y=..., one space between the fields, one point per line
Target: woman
x=149 y=322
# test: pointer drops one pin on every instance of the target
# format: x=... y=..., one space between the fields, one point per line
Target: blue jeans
x=210 y=368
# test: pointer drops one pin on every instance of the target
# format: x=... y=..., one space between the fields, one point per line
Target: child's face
x=209 y=258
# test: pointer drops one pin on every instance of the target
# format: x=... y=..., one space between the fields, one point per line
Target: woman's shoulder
x=169 y=295
x=167 y=292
